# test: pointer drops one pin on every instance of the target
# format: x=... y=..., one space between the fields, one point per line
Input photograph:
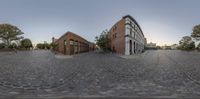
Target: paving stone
x=153 y=73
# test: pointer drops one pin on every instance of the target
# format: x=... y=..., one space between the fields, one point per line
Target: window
x=76 y=43
x=114 y=28
x=134 y=34
x=130 y=32
x=127 y=20
x=130 y=23
x=135 y=28
x=71 y=42
x=114 y=35
x=65 y=42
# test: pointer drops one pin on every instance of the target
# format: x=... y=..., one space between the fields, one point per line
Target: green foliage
x=198 y=46
x=102 y=41
x=13 y=45
x=2 y=45
x=186 y=43
x=196 y=32
x=191 y=45
x=40 y=46
x=47 y=46
x=54 y=46
x=26 y=43
x=43 y=46
x=9 y=33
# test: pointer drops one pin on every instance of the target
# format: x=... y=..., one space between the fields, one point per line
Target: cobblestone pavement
x=162 y=73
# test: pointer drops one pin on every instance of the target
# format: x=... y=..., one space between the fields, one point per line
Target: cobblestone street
x=159 y=73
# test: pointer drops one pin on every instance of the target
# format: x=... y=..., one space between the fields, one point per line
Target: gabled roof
x=71 y=33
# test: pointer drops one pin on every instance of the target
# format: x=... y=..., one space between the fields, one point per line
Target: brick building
x=70 y=44
x=126 y=37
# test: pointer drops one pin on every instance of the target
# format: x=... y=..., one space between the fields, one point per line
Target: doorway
x=65 y=44
x=134 y=48
x=71 y=47
x=130 y=47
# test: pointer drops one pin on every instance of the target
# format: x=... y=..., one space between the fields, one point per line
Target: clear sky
x=162 y=21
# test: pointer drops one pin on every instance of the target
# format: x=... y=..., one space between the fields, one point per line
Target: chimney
x=53 y=39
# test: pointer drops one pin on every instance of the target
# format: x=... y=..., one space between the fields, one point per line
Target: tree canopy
x=2 y=45
x=198 y=46
x=26 y=43
x=102 y=41
x=196 y=32
x=54 y=46
x=9 y=33
x=43 y=46
x=186 y=43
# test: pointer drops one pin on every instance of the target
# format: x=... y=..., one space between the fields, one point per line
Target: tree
x=196 y=32
x=102 y=41
x=40 y=46
x=47 y=46
x=186 y=43
x=191 y=45
x=26 y=43
x=9 y=33
x=43 y=46
x=13 y=45
x=198 y=46
x=2 y=45
x=54 y=46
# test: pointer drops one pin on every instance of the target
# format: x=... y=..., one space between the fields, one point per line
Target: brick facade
x=70 y=44
x=116 y=36
x=126 y=37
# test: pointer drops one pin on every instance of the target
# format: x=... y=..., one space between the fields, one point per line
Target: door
x=65 y=43
x=71 y=47
x=134 y=47
x=130 y=47
x=114 y=51
x=76 y=47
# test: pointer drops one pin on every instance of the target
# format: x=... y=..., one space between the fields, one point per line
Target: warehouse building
x=70 y=44
x=126 y=37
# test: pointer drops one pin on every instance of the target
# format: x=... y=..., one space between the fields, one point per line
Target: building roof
x=129 y=16
x=71 y=33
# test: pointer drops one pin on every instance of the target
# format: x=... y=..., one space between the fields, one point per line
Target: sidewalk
x=133 y=56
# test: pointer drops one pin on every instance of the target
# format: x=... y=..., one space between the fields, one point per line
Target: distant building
x=166 y=47
x=174 y=46
x=145 y=41
x=70 y=44
x=126 y=36
x=34 y=46
x=151 y=45
x=92 y=46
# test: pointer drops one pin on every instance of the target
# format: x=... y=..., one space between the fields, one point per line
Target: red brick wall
x=117 y=43
x=81 y=46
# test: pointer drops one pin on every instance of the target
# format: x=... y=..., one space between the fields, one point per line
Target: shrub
x=26 y=43
x=2 y=45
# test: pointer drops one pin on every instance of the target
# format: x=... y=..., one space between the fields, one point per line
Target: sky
x=162 y=21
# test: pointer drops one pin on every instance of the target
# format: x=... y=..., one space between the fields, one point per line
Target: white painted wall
x=139 y=39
